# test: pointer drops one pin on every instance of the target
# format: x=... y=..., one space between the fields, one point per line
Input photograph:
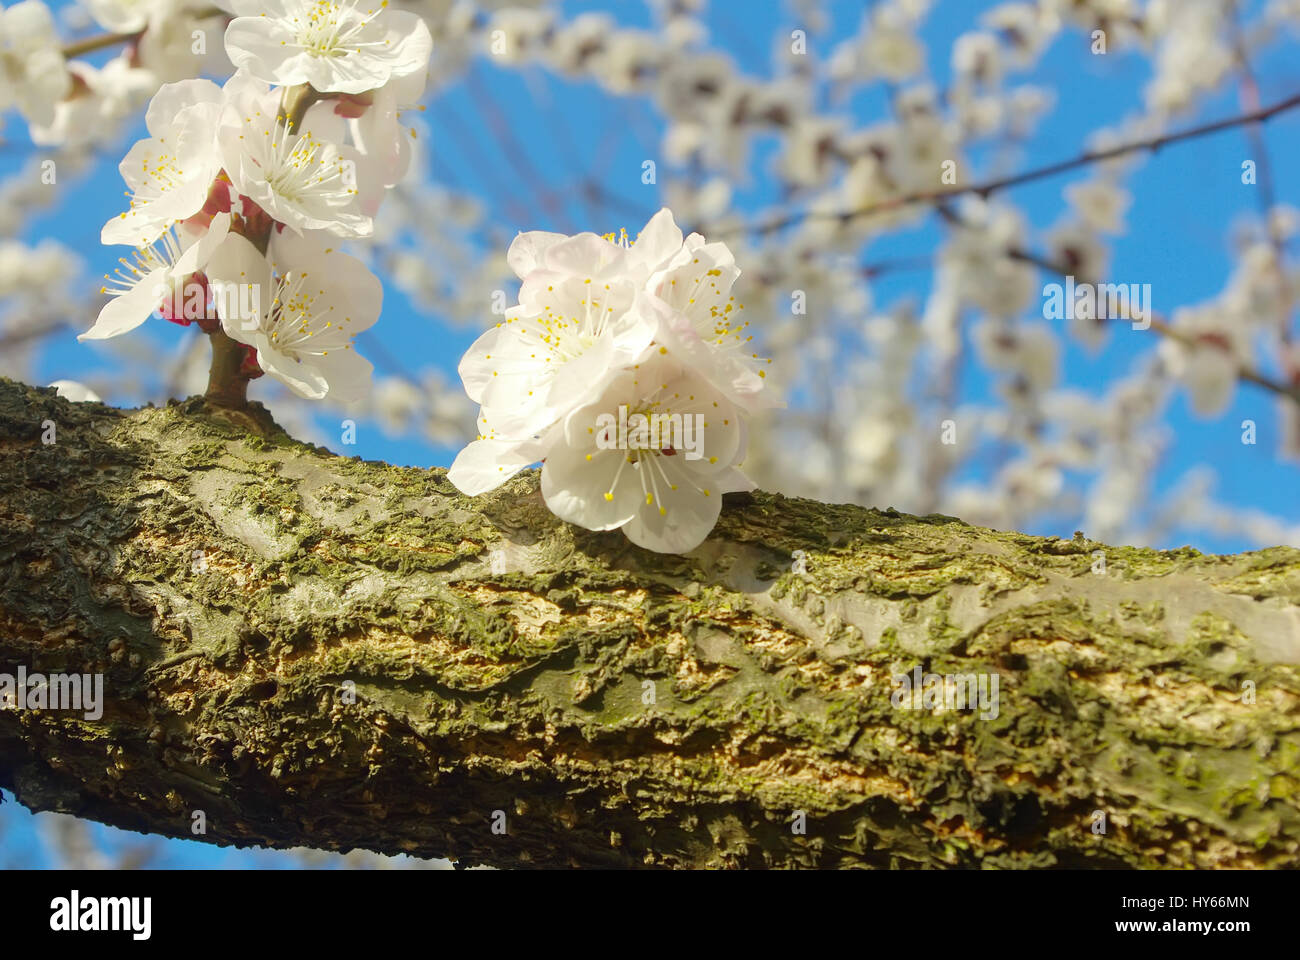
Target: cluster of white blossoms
x=240 y=194
x=627 y=370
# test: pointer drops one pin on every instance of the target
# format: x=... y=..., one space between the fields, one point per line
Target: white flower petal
x=486 y=464
x=527 y=249
x=659 y=240
x=685 y=524
x=128 y=311
x=583 y=491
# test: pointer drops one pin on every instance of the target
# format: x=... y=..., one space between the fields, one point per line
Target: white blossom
x=306 y=179
x=574 y=325
x=153 y=273
x=98 y=103
x=1100 y=204
x=661 y=498
x=702 y=322
x=169 y=172
x=1207 y=365
x=337 y=46
x=301 y=305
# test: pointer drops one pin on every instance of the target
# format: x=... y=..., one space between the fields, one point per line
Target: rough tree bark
x=234 y=586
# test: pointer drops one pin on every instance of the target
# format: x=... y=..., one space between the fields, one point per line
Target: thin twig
x=102 y=41
x=99 y=42
x=1158 y=324
x=1039 y=173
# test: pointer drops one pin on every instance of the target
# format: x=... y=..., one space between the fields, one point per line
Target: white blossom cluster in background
x=870 y=382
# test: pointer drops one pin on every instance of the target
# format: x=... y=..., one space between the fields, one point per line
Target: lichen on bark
x=315 y=650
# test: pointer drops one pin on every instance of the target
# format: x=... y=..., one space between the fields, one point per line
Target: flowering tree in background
x=270 y=206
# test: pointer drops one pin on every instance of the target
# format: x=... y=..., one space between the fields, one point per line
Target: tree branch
x=102 y=41
x=990 y=187
x=1164 y=328
x=316 y=650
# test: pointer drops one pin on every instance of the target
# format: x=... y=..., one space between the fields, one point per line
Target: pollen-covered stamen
x=563 y=338
x=327 y=28
x=720 y=324
x=300 y=321
x=648 y=479
x=620 y=239
x=652 y=473
x=158 y=174
x=298 y=170
x=649 y=470
x=159 y=255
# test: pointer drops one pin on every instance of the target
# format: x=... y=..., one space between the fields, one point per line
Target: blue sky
x=1186 y=200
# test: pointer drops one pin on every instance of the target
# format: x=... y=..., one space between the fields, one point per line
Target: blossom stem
x=227 y=387
x=295 y=104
